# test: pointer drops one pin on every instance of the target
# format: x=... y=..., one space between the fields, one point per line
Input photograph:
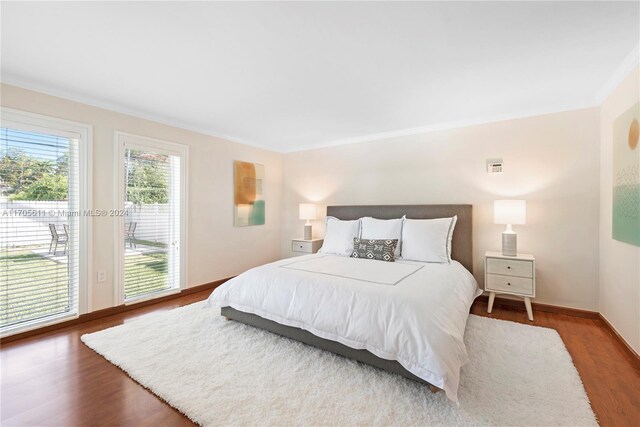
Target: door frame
x=39 y=123
x=125 y=140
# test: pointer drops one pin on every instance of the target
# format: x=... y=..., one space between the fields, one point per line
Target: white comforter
x=407 y=311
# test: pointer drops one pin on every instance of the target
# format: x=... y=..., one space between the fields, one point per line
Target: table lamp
x=509 y=212
x=308 y=212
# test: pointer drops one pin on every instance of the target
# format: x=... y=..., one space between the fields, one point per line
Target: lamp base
x=307 y=232
x=509 y=244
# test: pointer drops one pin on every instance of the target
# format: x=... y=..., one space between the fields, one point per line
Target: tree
x=19 y=170
x=147 y=178
x=62 y=165
x=48 y=187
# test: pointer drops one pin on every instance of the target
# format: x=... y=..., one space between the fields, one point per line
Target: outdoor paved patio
x=61 y=258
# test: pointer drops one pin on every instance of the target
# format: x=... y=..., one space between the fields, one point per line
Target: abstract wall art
x=626 y=177
x=249 y=204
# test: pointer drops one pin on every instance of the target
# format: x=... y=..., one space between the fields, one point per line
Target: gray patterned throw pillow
x=381 y=250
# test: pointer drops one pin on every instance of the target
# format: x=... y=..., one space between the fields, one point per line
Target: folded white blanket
x=386 y=273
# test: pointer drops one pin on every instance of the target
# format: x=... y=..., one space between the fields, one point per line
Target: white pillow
x=339 y=236
x=383 y=229
x=428 y=240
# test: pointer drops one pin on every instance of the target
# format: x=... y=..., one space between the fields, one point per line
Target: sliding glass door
x=152 y=222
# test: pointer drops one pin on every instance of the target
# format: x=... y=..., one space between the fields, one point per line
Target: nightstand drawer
x=518 y=285
x=302 y=246
x=509 y=267
x=306 y=247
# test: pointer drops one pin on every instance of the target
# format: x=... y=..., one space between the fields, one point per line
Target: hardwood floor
x=54 y=379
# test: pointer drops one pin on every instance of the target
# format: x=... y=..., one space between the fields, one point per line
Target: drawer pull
x=508 y=284
x=509 y=267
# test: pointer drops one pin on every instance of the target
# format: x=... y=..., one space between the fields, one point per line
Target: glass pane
x=38 y=237
x=150 y=239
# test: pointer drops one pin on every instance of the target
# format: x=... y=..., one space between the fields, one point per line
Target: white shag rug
x=221 y=372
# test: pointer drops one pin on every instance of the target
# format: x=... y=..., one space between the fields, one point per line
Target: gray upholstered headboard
x=462 y=245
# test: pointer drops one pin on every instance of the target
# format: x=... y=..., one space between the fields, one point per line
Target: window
x=44 y=254
x=152 y=226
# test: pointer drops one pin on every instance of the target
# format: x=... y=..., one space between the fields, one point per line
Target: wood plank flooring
x=54 y=380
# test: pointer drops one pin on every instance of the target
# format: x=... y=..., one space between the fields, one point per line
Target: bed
x=405 y=317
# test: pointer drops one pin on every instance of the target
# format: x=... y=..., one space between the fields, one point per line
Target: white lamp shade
x=307 y=211
x=509 y=211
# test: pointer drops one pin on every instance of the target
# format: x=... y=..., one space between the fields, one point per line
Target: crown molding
x=628 y=64
x=68 y=96
x=28 y=85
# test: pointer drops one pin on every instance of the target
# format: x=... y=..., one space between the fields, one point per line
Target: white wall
x=216 y=248
x=619 y=262
x=551 y=161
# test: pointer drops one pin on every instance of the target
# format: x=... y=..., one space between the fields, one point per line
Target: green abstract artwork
x=626 y=177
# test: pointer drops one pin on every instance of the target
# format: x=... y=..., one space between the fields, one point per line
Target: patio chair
x=65 y=227
x=130 y=234
x=57 y=238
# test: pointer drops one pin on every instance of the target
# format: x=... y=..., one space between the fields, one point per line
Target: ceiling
x=292 y=76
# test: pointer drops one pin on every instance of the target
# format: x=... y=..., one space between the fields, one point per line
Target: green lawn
x=26 y=277
x=149 y=243
x=145 y=273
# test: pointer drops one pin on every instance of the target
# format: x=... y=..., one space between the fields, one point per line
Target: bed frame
x=461 y=251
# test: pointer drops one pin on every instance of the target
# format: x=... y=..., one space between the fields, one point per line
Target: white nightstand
x=306 y=246
x=513 y=275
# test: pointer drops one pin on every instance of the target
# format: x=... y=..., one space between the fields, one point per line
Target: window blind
x=39 y=216
x=152 y=222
